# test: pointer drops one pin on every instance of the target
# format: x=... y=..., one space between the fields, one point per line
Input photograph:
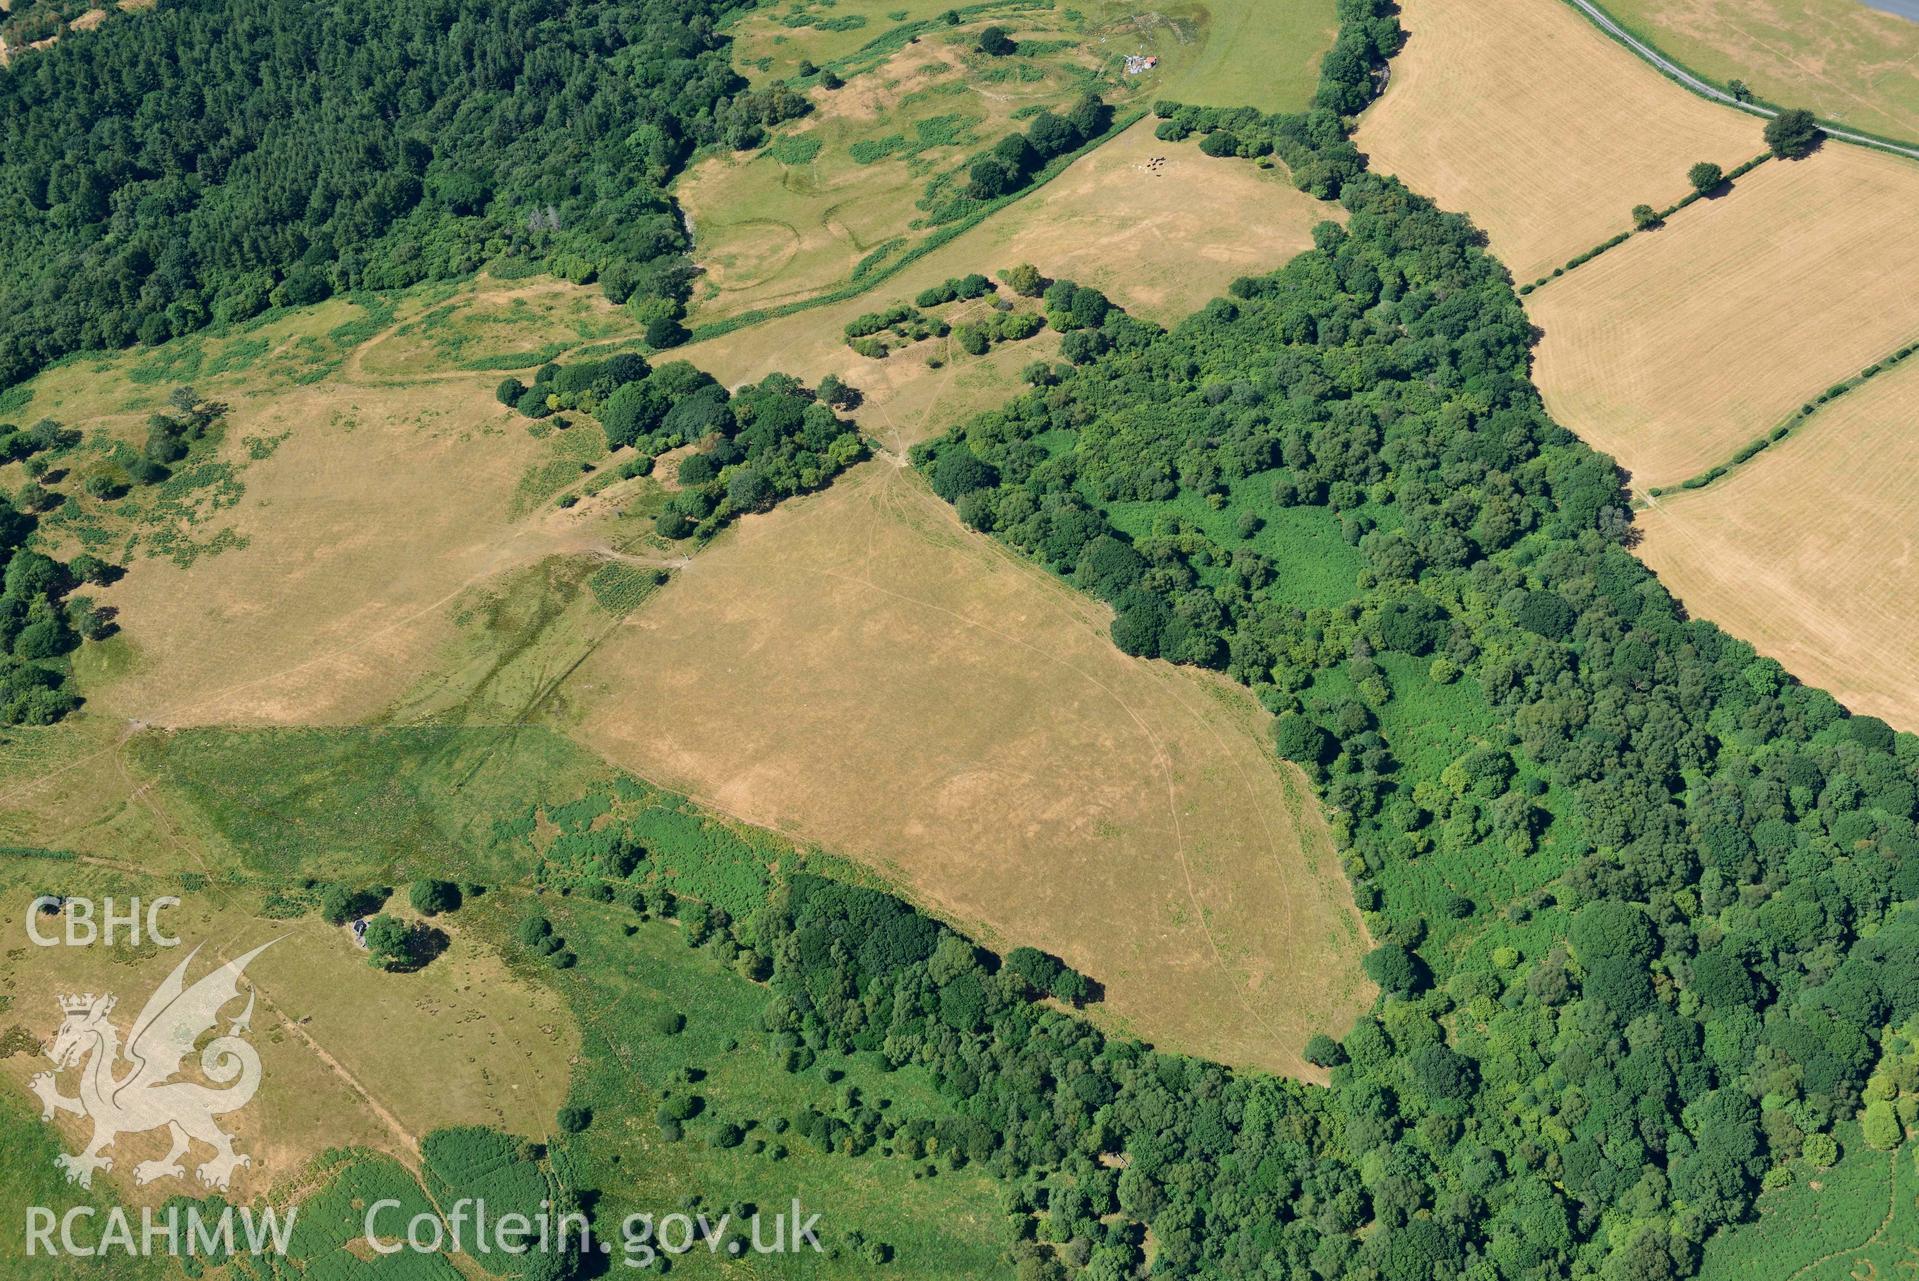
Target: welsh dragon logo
x=133 y=1090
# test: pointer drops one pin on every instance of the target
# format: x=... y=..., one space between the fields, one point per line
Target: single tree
x=431 y=897
x=1793 y=134
x=1323 y=1051
x=1393 y=968
x=342 y=903
x=1024 y=280
x=989 y=178
x=391 y=943
x=1704 y=176
x=1644 y=216
x=996 y=42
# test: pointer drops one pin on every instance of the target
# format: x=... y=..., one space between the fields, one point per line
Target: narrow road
x=1704 y=90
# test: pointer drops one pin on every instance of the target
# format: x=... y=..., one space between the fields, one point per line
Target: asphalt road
x=1700 y=87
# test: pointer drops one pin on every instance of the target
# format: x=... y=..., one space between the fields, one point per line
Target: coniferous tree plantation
x=209 y=159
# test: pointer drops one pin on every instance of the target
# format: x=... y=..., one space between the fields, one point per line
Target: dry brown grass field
x=1811 y=550
x=381 y=500
x=1675 y=349
x=379 y=509
x=858 y=670
x=339 y=1043
x=1159 y=242
x=362 y=506
x=1524 y=116
x=491 y=323
x=308 y=616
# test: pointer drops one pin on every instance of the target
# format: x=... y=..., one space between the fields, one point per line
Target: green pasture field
x=1231 y=53
x=536 y=821
x=1849 y=62
x=28 y=1178
x=937 y=1221
x=1243 y=53
x=880 y=163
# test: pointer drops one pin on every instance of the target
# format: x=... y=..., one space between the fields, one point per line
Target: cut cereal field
x=1846 y=60
x=1680 y=346
x=1523 y=116
x=860 y=671
x=1811 y=551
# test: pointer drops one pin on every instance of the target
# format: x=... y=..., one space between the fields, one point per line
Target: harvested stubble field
x=858 y=670
x=1680 y=346
x=1811 y=550
x=1522 y=115
x=1846 y=60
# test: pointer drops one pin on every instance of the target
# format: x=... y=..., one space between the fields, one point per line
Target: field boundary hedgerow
x=1789 y=426
x=874 y=277
x=1643 y=48
x=1692 y=197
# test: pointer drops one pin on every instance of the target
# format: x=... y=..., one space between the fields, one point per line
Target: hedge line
x=1620 y=239
x=1793 y=422
x=877 y=276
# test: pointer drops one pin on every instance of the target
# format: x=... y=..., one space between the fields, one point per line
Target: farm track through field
x=1673 y=71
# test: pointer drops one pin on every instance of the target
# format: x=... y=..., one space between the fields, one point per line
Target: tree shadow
x=425 y=945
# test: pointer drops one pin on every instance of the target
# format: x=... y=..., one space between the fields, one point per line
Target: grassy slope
x=264 y=808
x=1848 y=62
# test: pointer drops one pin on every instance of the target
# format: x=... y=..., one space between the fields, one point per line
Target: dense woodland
x=1644 y=903
x=208 y=159
x=43 y=615
x=757 y=445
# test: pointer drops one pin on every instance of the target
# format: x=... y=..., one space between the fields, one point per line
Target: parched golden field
x=1844 y=59
x=339 y=1042
x=1160 y=242
x=1675 y=349
x=860 y=671
x=313 y=584
x=1524 y=116
x=382 y=547
x=1811 y=550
